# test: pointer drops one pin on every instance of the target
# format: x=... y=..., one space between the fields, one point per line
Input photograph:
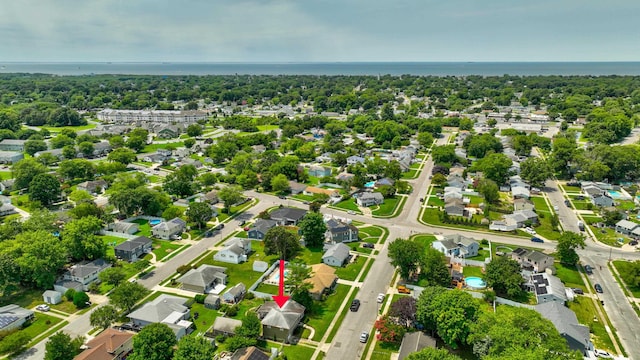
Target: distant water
x=362 y=68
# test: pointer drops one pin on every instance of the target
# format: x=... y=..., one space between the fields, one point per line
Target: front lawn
x=574 y=189
x=482 y=254
x=570 y=276
x=388 y=207
x=424 y=239
x=112 y=242
x=411 y=174
x=371 y=231
x=40 y=325
x=325 y=311
x=586 y=313
x=237 y=273
x=155 y=147
x=349 y=204
x=162 y=248
x=624 y=269
x=608 y=236
x=351 y=271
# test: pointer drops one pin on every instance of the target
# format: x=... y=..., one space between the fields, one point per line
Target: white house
x=336 y=255
x=368 y=199
x=165 y=309
x=235 y=251
x=457 y=246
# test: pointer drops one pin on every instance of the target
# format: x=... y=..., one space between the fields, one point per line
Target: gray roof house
x=602 y=200
x=124 y=227
x=523 y=204
x=13 y=316
x=635 y=233
x=7 y=209
x=133 y=249
x=203 y=279
x=336 y=255
x=166 y=309
x=235 y=294
x=235 y=251
x=367 y=199
x=249 y=353
x=520 y=192
x=279 y=323
x=338 y=231
x=92 y=187
x=260 y=228
x=352 y=160
x=12 y=145
x=168 y=229
x=287 y=215
x=566 y=322
x=225 y=326
x=319 y=171
x=84 y=273
x=626 y=227
x=10 y=157
x=548 y=288
x=454 y=207
x=296 y=188
x=532 y=259
x=457 y=246
x=212 y=301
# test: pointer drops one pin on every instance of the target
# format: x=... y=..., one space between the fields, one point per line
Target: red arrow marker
x=281 y=299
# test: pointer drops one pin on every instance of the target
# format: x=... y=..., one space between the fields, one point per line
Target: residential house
x=523 y=204
x=152 y=158
x=520 y=192
x=235 y=251
x=336 y=255
x=635 y=234
x=352 y=160
x=451 y=193
x=325 y=157
x=101 y=148
x=167 y=309
x=346 y=177
x=196 y=163
x=602 y=200
x=111 y=344
x=124 y=227
x=456 y=182
x=7 y=209
x=133 y=249
x=296 y=188
x=279 y=323
x=10 y=157
x=366 y=199
x=319 y=171
x=523 y=217
x=12 y=145
x=506 y=224
x=52 y=297
x=84 y=273
x=547 y=288
x=54 y=152
x=532 y=259
x=13 y=316
x=235 y=294
x=384 y=182
x=323 y=280
x=225 y=326
x=169 y=229
x=203 y=279
x=340 y=232
x=212 y=301
x=211 y=197
x=414 y=342
x=168 y=132
x=334 y=194
x=260 y=228
x=626 y=227
x=249 y=353
x=566 y=322
x=93 y=187
x=455 y=207
x=457 y=246
x=287 y=216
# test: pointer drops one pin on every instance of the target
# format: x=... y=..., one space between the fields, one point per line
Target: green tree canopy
x=503 y=275
x=153 y=342
x=313 y=228
x=44 y=188
x=279 y=240
x=60 y=346
x=199 y=213
x=194 y=347
x=567 y=245
x=407 y=255
x=104 y=316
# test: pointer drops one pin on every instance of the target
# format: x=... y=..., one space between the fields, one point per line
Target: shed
x=212 y=301
x=260 y=266
x=52 y=297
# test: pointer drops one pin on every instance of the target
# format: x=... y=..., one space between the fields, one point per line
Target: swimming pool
x=475 y=283
x=615 y=194
x=370 y=184
x=276 y=277
x=154 y=222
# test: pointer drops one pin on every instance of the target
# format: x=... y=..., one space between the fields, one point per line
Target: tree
x=434 y=268
x=238 y=342
x=69 y=152
x=60 y=346
x=188 y=143
x=497 y=334
x=79 y=196
x=433 y=354
x=62 y=141
x=251 y=326
x=126 y=295
x=86 y=208
x=297 y=281
x=387 y=191
x=494 y=166
x=389 y=331
x=230 y=195
x=452 y=312
x=80 y=299
x=173 y=212
x=425 y=139
x=86 y=148
x=79 y=236
x=444 y=154
x=194 y=130
x=178 y=183
x=103 y=316
x=279 y=240
x=153 y=342
x=199 y=213
x=44 y=188
x=122 y=155
x=404 y=311
x=313 y=228
x=393 y=170
x=47 y=159
x=81 y=169
x=194 y=347
x=567 y=245
x=112 y=275
x=535 y=171
x=407 y=255
x=503 y=275
x=439 y=179
x=25 y=170
x=33 y=146
x=14 y=343
x=489 y=190
x=280 y=183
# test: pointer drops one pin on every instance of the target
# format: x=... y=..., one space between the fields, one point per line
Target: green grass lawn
x=155 y=147
x=303 y=197
x=112 y=242
x=383 y=350
x=591 y=219
x=624 y=269
x=435 y=201
x=582 y=204
x=54 y=129
x=162 y=248
x=482 y=254
x=351 y=271
x=349 y=204
x=326 y=311
x=411 y=174
x=626 y=205
x=206 y=317
x=388 y=207
x=586 y=312
x=267 y=127
x=472 y=271
x=609 y=237
x=571 y=188
x=267 y=289
x=371 y=231
x=357 y=246
x=569 y=276
x=41 y=324
x=424 y=239
x=495 y=246
x=4 y=175
x=144 y=229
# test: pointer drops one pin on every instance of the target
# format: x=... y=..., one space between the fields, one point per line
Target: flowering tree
x=389 y=331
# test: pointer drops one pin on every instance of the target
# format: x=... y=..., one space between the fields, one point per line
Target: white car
x=380 y=298
x=43 y=307
x=351 y=212
x=364 y=336
x=530 y=230
x=602 y=354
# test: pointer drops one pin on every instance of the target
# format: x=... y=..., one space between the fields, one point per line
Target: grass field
x=206 y=317
x=154 y=147
x=267 y=127
x=162 y=248
x=625 y=270
x=351 y=271
x=608 y=236
x=569 y=276
x=144 y=229
x=54 y=129
x=349 y=204
x=424 y=239
x=326 y=311
x=388 y=207
x=586 y=312
x=4 y=175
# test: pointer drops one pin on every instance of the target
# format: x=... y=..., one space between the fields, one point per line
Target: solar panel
x=6 y=320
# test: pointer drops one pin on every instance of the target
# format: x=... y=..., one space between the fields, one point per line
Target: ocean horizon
x=326 y=68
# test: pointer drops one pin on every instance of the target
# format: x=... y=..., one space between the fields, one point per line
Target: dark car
x=578 y=291
x=567 y=203
x=633 y=242
x=588 y=269
x=537 y=239
x=219 y=227
x=598 y=288
x=368 y=245
x=355 y=305
x=282 y=197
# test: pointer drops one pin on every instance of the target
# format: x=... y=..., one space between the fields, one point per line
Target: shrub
x=484 y=242
x=69 y=294
x=220 y=338
x=199 y=298
x=249 y=296
x=232 y=311
x=80 y=299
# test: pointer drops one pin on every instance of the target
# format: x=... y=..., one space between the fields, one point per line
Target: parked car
x=579 y=197
x=43 y=307
x=247 y=228
x=364 y=336
x=578 y=291
x=633 y=242
x=537 y=239
x=567 y=203
x=530 y=230
x=421 y=199
x=380 y=298
x=282 y=197
x=403 y=289
x=602 y=354
x=355 y=305
x=556 y=208
x=351 y=212
x=219 y=227
x=598 y=288
x=588 y=269
x=368 y=245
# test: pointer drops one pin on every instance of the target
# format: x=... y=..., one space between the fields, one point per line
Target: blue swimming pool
x=615 y=194
x=370 y=184
x=154 y=222
x=276 y=277
x=475 y=283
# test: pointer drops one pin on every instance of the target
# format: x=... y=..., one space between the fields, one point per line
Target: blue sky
x=319 y=30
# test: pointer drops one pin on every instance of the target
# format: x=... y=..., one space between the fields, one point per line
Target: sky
x=319 y=30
